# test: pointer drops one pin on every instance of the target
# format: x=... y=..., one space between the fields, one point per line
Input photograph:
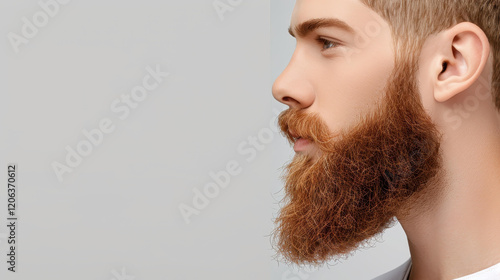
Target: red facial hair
x=363 y=178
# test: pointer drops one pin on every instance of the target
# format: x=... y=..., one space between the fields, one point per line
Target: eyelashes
x=326 y=44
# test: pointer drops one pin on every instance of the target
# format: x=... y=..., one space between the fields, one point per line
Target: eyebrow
x=303 y=29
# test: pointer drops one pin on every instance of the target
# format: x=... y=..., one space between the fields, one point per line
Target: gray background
x=116 y=215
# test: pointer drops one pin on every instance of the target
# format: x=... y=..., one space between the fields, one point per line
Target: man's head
x=367 y=87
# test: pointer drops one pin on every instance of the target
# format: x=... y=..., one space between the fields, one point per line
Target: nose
x=293 y=87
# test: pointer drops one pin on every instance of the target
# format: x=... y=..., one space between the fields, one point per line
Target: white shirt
x=402 y=272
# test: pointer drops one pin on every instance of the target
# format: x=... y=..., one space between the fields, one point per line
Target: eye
x=327 y=44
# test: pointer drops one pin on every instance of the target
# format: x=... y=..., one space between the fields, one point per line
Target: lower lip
x=301 y=145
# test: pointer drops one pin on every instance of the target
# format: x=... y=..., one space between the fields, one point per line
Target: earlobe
x=462 y=53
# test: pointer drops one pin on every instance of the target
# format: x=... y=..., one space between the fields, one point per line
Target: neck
x=460 y=234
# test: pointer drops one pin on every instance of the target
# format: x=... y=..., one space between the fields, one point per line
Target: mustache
x=296 y=123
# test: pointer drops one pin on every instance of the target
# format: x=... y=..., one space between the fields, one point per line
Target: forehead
x=352 y=12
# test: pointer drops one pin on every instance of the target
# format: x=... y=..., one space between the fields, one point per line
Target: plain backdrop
x=202 y=141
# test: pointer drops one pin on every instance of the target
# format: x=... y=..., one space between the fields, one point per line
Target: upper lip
x=294 y=135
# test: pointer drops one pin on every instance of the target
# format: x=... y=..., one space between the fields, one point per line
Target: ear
x=460 y=56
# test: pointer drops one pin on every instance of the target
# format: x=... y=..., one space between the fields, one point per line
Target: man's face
x=340 y=80
x=366 y=150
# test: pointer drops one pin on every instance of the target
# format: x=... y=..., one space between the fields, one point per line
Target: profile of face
x=366 y=150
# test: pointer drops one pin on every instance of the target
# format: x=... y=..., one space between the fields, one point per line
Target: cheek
x=349 y=92
x=350 y=84
x=426 y=92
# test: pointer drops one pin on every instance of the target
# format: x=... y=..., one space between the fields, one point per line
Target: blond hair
x=412 y=21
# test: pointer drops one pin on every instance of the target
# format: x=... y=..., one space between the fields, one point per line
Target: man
x=394 y=114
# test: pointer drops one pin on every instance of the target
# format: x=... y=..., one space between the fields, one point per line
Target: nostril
x=290 y=101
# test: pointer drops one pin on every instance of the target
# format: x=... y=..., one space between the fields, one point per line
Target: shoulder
x=399 y=273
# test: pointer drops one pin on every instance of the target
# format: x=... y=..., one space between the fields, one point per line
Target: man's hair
x=412 y=21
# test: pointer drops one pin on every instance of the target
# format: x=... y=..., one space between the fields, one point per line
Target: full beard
x=363 y=177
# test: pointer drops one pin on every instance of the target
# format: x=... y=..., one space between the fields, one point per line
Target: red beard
x=362 y=178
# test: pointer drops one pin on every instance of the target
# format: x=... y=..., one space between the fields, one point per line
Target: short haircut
x=412 y=21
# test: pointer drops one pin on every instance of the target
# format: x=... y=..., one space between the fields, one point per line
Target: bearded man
x=394 y=113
